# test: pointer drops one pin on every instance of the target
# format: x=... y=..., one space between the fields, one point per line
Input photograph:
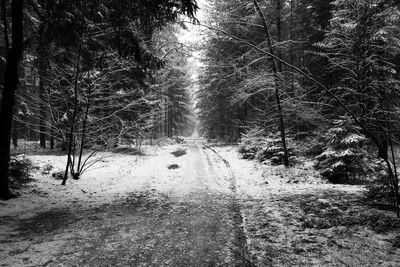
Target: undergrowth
x=263 y=148
x=20 y=170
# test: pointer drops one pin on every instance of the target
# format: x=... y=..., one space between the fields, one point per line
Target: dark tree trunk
x=279 y=32
x=275 y=69
x=88 y=104
x=382 y=147
x=221 y=117
x=51 y=142
x=42 y=51
x=71 y=144
x=15 y=134
x=42 y=135
x=166 y=121
x=42 y=116
x=291 y=53
x=11 y=80
x=64 y=146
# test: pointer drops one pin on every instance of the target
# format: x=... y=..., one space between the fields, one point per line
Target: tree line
x=324 y=72
x=87 y=74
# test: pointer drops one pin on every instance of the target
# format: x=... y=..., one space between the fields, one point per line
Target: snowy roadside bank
x=293 y=218
x=114 y=176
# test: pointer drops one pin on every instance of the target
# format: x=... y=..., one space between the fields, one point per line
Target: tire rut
x=240 y=251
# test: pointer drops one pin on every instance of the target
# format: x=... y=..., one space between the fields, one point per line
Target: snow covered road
x=182 y=216
x=193 y=205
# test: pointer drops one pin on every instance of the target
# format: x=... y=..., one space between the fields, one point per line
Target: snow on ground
x=293 y=218
x=114 y=176
x=53 y=207
x=128 y=211
x=290 y=216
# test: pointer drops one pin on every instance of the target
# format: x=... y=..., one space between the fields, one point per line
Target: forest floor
x=200 y=206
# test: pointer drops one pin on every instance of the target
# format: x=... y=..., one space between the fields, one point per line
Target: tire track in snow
x=240 y=251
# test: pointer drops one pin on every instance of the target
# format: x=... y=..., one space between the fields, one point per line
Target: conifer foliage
x=343 y=158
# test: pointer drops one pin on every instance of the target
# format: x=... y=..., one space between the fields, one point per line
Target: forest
x=258 y=87
x=319 y=77
x=80 y=75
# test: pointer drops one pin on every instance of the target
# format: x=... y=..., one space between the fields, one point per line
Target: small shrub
x=381 y=189
x=58 y=175
x=20 y=168
x=262 y=148
x=343 y=158
x=180 y=152
x=273 y=152
x=47 y=168
x=179 y=140
x=248 y=150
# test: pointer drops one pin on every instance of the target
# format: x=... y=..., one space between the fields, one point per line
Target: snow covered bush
x=249 y=147
x=20 y=168
x=272 y=150
x=47 y=168
x=251 y=142
x=381 y=189
x=254 y=145
x=179 y=140
x=343 y=157
x=58 y=175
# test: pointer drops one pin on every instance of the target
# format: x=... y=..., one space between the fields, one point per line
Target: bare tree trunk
x=291 y=53
x=84 y=131
x=74 y=113
x=395 y=177
x=42 y=51
x=166 y=120
x=279 y=31
x=382 y=146
x=275 y=70
x=221 y=131
x=11 y=80
x=51 y=141
x=15 y=134
x=42 y=116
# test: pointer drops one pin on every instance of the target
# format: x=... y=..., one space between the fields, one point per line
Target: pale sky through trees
x=193 y=37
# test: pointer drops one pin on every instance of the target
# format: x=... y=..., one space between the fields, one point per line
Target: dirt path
x=203 y=207
x=184 y=216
